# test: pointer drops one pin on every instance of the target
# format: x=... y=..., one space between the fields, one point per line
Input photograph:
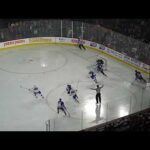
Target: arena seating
x=139 y=121
x=134 y=29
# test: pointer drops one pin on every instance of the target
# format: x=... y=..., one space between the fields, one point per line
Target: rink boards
x=99 y=48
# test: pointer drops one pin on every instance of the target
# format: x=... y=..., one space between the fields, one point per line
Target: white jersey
x=59 y=104
x=73 y=92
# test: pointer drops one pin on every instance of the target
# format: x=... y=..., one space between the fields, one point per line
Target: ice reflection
x=123 y=111
x=43 y=65
x=97 y=111
x=89 y=108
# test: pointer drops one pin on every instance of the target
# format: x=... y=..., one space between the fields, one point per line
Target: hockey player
x=99 y=62
x=93 y=76
x=68 y=89
x=100 y=69
x=138 y=76
x=74 y=95
x=80 y=44
x=36 y=91
x=72 y=92
x=61 y=106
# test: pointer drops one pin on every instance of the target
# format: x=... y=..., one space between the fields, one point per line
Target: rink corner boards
x=118 y=60
x=33 y=44
x=99 y=51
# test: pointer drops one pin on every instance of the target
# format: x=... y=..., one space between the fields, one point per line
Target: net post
x=54 y=125
x=46 y=126
x=49 y=125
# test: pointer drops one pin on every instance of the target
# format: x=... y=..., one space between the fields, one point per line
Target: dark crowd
x=135 y=122
x=134 y=28
x=130 y=37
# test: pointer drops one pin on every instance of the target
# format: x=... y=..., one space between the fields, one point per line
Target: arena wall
x=99 y=48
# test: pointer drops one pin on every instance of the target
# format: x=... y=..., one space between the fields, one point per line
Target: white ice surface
x=51 y=68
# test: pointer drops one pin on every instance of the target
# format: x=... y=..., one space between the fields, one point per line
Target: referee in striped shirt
x=80 y=44
x=98 y=93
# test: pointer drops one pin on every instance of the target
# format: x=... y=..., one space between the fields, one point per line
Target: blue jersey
x=93 y=75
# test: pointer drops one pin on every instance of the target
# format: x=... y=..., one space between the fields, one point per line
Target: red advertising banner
x=11 y=43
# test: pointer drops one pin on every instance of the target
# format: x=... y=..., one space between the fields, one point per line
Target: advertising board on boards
x=39 y=40
x=14 y=42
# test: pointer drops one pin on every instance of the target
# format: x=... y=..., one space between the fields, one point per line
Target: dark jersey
x=100 y=62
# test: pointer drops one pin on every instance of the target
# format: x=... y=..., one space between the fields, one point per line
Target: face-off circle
x=23 y=61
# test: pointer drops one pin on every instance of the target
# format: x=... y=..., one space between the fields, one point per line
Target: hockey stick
x=30 y=90
x=77 y=85
x=77 y=101
x=68 y=112
x=25 y=88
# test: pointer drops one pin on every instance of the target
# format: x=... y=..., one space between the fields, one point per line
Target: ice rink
x=51 y=68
